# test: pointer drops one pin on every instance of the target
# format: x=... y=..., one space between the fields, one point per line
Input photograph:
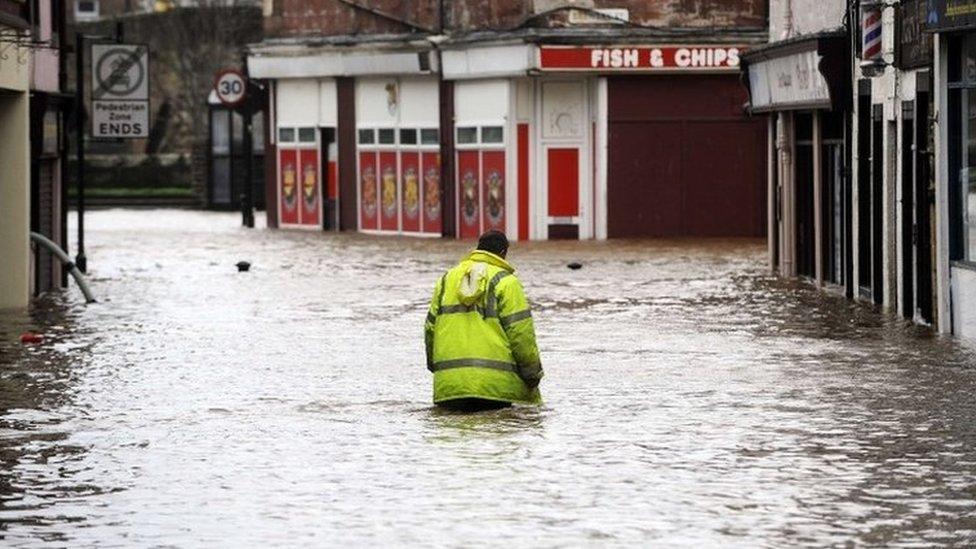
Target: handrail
x=66 y=261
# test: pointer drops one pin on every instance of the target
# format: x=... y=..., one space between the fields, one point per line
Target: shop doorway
x=877 y=197
x=803 y=203
x=907 y=308
x=565 y=137
x=924 y=203
x=834 y=206
x=330 y=183
x=864 y=193
x=300 y=173
x=916 y=243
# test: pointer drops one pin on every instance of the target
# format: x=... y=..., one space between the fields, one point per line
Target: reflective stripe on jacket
x=479 y=334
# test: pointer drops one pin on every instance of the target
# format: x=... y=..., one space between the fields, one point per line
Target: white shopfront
x=398 y=155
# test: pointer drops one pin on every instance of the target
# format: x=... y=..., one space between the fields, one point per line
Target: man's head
x=495 y=242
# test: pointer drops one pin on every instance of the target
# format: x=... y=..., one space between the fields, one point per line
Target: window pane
x=968 y=179
x=430 y=136
x=220 y=131
x=467 y=136
x=257 y=134
x=221 y=180
x=366 y=137
x=492 y=134
x=237 y=126
x=306 y=135
x=408 y=137
x=387 y=136
x=286 y=135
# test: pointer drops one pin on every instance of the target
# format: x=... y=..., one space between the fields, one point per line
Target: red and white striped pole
x=871 y=56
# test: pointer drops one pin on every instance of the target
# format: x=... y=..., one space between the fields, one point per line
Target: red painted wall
x=523 y=181
x=684 y=159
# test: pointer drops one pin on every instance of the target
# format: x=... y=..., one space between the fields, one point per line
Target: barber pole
x=871 y=32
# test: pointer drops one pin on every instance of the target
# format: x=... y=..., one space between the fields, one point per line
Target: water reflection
x=691 y=399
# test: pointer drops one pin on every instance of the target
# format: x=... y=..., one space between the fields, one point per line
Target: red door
x=288 y=186
x=469 y=194
x=369 y=202
x=562 y=167
x=432 y=192
x=410 y=191
x=389 y=204
x=311 y=189
x=493 y=189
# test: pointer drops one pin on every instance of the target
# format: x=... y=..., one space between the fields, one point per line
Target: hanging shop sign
x=789 y=82
x=914 y=45
x=943 y=15
x=120 y=91
x=640 y=58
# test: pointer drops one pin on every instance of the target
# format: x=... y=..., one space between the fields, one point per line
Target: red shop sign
x=640 y=58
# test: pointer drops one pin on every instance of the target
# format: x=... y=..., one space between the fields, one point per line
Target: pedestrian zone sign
x=120 y=91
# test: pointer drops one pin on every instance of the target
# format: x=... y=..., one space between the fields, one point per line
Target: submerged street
x=691 y=398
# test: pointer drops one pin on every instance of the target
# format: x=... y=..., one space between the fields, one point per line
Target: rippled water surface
x=690 y=399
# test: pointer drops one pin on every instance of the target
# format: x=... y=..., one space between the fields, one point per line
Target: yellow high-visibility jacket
x=479 y=334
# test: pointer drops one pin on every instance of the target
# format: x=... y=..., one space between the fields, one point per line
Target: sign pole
x=248 y=166
x=248 y=152
x=233 y=90
x=80 y=260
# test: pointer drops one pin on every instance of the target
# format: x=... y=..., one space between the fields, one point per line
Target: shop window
x=306 y=135
x=408 y=137
x=51 y=133
x=86 y=9
x=286 y=135
x=430 y=136
x=962 y=149
x=257 y=134
x=467 y=136
x=367 y=137
x=387 y=136
x=492 y=134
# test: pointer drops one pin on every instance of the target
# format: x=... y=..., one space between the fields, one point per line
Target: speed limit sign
x=231 y=87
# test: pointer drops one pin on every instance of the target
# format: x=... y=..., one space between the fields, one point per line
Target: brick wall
x=334 y=17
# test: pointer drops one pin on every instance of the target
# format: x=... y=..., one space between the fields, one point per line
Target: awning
x=342 y=56
x=808 y=72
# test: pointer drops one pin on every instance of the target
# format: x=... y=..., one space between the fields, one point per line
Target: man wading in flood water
x=479 y=334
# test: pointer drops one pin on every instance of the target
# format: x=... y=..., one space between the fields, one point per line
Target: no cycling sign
x=120 y=91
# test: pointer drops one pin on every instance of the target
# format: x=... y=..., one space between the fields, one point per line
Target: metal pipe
x=66 y=261
x=80 y=138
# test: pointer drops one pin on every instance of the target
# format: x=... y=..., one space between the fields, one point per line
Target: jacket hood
x=482 y=256
x=474 y=282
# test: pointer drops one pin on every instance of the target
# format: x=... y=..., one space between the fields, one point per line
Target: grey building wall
x=788 y=18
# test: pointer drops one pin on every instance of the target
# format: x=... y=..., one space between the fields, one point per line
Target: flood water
x=691 y=399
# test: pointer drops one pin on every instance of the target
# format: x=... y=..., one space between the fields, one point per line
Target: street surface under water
x=691 y=399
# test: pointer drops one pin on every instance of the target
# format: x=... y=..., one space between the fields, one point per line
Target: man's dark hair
x=494 y=241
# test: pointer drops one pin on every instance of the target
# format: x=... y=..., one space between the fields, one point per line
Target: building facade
x=953 y=25
x=892 y=119
x=15 y=28
x=543 y=119
x=50 y=106
x=851 y=186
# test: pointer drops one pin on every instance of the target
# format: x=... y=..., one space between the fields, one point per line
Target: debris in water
x=243 y=266
x=31 y=337
x=575 y=266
